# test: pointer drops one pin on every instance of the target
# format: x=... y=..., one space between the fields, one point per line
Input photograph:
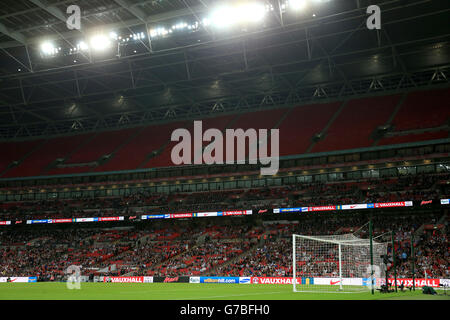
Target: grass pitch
x=182 y=291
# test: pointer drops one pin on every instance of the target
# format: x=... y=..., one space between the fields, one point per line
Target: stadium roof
x=322 y=52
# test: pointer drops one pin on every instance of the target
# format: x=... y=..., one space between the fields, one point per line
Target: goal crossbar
x=356 y=242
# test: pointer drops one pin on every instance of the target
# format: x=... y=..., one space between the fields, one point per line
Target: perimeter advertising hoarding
x=337 y=281
x=181 y=215
x=322 y=208
x=19 y=279
x=61 y=220
x=194 y=279
x=263 y=211
x=237 y=212
x=38 y=221
x=155 y=216
x=219 y=279
x=393 y=204
x=111 y=219
x=444 y=282
x=419 y=283
x=124 y=279
x=197 y=214
x=70 y=220
x=283 y=210
x=139 y=279
x=86 y=219
x=281 y=280
x=353 y=206
x=245 y=280
x=360 y=206
x=233 y=213
x=171 y=279
x=205 y=214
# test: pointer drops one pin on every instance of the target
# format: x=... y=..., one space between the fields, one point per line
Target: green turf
x=181 y=291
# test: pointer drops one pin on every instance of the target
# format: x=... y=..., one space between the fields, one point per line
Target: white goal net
x=337 y=263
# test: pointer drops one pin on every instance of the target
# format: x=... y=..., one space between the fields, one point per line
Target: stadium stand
x=102 y=144
x=142 y=148
x=91 y=93
x=412 y=188
x=174 y=250
x=39 y=161
x=423 y=109
x=302 y=124
x=15 y=152
x=353 y=128
x=257 y=120
x=304 y=129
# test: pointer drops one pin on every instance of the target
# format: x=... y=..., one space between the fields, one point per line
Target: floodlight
x=113 y=35
x=180 y=26
x=82 y=46
x=250 y=12
x=100 y=42
x=48 y=48
x=206 y=22
x=223 y=17
x=226 y=16
x=160 y=31
x=297 y=4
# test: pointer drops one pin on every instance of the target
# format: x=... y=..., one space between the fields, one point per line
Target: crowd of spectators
x=258 y=248
x=407 y=188
x=274 y=258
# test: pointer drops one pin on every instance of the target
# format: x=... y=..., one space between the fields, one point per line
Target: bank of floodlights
x=227 y=16
x=48 y=49
x=223 y=17
x=96 y=43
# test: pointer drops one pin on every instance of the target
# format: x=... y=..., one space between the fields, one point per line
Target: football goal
x=336 y=263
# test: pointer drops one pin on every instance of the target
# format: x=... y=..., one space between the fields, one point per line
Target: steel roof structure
x=325 y=52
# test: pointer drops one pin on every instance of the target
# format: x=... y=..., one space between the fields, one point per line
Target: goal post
x=337 y=263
